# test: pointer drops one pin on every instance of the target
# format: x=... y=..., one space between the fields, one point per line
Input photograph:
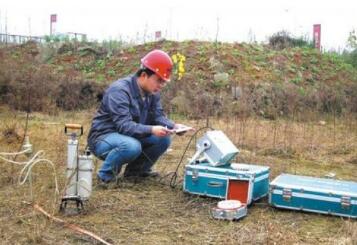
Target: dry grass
x=150 y=212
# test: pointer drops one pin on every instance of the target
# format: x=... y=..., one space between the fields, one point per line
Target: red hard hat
x=159 y=62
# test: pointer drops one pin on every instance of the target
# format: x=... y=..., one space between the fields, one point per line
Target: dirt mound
x=270 y=83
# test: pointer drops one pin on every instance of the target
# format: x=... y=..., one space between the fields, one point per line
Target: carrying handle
x=73 y=126
x=215 y=184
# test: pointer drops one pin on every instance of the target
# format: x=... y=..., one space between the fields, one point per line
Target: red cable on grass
x=71 y=226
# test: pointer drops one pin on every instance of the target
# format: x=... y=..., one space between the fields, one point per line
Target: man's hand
x=160 y=131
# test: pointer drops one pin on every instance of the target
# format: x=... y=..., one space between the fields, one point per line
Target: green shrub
x=283 y=39
x=352 y=58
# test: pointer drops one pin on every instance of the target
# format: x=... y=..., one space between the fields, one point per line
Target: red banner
x=317 y=36
x=53 y=18
x=157 y=34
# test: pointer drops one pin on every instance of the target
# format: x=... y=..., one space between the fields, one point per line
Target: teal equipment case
x=232 y=181
x=319 y=195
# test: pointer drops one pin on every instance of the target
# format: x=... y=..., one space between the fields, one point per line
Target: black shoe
x=151 y=174
x=101 y=183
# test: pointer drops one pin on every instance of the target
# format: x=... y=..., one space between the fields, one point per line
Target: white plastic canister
x=72 y=149
x=85 y=169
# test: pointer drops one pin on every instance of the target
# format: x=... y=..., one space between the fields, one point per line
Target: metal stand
x=72 y=196
x=77 y=200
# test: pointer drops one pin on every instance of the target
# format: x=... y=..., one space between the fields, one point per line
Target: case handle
x=73 y=126
x=215 y=184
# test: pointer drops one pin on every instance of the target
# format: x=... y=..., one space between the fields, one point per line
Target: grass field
x=151 y=212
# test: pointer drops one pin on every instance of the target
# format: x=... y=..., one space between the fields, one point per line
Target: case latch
x=346 y=202
x=287 y=193
x=195 y=174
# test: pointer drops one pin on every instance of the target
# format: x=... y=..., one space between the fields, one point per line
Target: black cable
x=173 y=179
x=24 y=135
x=20 y=147
x=28 y=109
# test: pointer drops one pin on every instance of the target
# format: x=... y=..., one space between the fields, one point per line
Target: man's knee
x=132 y=147
x=128 y=149
x=165 y=142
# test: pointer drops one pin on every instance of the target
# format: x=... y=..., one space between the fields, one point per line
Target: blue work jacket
x=123 y=110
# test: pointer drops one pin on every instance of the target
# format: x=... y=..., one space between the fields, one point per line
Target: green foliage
x=283 y=39
x=344 y=61
x=88 y=68
x=314 y=60
x=100 y=78
x=100 y=64
x=351 y=58
x=57 y=38
x=201 y=50
x=219 y=84
x=314 y=69
x=297 y=80
x=220 y=80
x=112 y=46
x=236 y=53
x=131 y=50
x=352 y=39
x=302 y=91
x=111 y=72
x=64 y=38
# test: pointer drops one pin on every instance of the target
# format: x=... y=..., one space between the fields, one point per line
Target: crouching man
x=130 y=126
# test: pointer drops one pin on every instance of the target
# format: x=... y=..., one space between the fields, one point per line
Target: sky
x=224 y=20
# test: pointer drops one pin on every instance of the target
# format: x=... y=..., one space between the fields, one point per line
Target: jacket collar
x=135 y=87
